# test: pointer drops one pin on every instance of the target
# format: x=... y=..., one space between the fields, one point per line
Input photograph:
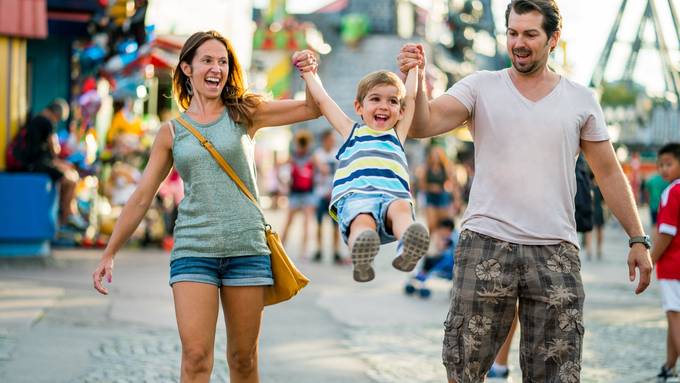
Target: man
x=519 y=238
x=39 y=153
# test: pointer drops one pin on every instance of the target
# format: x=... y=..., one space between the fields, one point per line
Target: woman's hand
x=103 y=271
x=305 y=61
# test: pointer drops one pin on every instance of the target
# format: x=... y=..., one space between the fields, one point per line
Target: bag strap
x=221 y=161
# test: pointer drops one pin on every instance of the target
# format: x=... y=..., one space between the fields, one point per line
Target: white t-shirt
x=525 y=154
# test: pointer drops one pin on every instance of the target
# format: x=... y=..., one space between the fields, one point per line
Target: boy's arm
x=335 y=116
x=661 y=242
x=409 y=104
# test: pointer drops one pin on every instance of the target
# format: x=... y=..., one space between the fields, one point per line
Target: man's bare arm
x=431 y=118
x=619 y=198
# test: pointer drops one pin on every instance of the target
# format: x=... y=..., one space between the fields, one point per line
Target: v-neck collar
x=526 y=101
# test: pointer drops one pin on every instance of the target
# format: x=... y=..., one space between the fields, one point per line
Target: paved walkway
x=55 y=328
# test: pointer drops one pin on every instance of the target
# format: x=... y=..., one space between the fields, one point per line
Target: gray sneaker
x=364 y=250
x=412 y=247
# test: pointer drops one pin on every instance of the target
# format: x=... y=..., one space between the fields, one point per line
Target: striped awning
x=23 y=18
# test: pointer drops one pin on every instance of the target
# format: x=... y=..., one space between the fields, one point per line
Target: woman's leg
x=308 y=212
x=242 y=313
x=431 y=217
x=599 y=230
x=289 y=220
x=196 y=307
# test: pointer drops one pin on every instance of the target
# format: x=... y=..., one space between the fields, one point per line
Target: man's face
x=528 y=45
x=669 y=167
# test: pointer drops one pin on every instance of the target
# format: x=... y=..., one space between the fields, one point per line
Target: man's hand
x=639 y=258
x=411 y=55
x=305 y=61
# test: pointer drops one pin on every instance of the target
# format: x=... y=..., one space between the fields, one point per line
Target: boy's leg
x=364 y=243
x=483 y=305
x=399 y=217
x=413 y=237
x=673 y=338
x=671 y=351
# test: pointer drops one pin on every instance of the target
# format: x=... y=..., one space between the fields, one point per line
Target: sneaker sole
x=415 y=241
x=364 y=250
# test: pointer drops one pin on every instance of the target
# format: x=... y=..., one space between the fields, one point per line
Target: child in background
x=301 y=198
x=441 y=264
x=371 y=197
x=666 y=252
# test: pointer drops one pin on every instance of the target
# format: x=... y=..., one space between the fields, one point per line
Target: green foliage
x=619 y=94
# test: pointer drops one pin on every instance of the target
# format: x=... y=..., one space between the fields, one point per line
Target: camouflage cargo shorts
x=491 y=276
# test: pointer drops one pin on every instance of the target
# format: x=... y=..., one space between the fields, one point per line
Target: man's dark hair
x=552 y=20
x=59 y=107
x=672 y=148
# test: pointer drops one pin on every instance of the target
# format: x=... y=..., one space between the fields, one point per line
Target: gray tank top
x=215 y=219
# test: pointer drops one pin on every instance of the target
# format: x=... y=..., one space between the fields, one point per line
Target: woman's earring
x=190 y=89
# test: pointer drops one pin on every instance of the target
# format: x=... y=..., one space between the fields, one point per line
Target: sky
x=586 y=25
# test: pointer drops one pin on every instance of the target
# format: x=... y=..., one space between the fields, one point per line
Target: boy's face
x=669 y=167
x=381 y=108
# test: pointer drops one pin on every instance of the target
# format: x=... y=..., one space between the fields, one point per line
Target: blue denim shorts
x=351 y=205
x=298 y=200
x=253 y=270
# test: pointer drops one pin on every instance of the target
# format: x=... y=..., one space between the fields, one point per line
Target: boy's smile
x=381 y=108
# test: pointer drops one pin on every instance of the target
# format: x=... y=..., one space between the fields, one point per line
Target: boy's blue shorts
x=351 y=205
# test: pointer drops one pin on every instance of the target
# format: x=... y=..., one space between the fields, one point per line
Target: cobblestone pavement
x=53 y=328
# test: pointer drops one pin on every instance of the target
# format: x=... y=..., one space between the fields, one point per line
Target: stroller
x=440 y=265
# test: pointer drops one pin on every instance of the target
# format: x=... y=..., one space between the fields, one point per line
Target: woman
x=220 y=253
x=437 y=180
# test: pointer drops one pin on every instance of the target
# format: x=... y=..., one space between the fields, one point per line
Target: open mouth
x=212 y=82
x=380 y=118
x=522 y=54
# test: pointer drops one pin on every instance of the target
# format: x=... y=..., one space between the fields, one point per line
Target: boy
x=371 y=197
x=666 y=252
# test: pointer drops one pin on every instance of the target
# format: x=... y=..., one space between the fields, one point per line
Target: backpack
x=583 y=201
x=302 y=176
x=17 y=145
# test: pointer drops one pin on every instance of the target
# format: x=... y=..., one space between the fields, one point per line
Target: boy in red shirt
x=666 y=252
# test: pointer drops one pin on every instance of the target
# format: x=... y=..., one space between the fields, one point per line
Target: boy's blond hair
x=377 y=78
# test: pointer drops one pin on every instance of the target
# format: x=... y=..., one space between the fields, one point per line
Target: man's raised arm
x=431 y=118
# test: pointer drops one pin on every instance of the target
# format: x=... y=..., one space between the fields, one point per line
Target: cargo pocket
x=451 y=354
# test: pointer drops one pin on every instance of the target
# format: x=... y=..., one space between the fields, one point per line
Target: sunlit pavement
x=55 y=328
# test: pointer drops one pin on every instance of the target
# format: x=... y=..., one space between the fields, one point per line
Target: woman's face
x=209 y=69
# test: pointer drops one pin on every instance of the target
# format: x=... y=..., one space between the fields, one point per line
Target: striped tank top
x=370 y=161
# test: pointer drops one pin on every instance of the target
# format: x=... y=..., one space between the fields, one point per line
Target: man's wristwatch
x=643 y=239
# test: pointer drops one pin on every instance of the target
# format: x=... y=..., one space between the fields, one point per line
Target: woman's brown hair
x=238 y=101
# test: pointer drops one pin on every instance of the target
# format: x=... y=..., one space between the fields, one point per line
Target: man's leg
x=482 y=306
x=551 y=313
